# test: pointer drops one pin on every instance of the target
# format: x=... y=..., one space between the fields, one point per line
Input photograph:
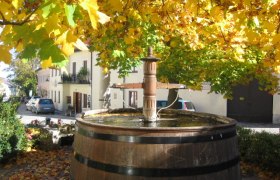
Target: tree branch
x=16 y=23
x=278 y=26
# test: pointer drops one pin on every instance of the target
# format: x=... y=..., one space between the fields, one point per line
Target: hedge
x=12 y=132
x=260 y=148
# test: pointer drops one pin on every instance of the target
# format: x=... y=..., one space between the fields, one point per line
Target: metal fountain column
x=150 y=86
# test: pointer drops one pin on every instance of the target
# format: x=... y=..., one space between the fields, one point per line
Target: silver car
x=43 y=105
x=31 y=103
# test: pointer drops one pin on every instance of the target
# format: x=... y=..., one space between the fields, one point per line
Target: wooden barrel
x=108 y=152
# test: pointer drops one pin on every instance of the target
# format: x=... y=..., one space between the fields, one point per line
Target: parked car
x=31 y=102
x=43 y=105
x=183 y=105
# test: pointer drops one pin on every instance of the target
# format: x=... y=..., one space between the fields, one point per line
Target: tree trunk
x=172 y=95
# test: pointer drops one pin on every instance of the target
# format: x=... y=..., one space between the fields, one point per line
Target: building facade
x=80 y=85
x=43 y=79
x=84 y=86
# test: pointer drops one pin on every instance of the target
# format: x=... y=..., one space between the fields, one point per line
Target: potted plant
x=83 y=75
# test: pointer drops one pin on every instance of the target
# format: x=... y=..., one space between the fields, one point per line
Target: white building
x=67 y=88
x=75 y=84
x=249 y=103
x=203 y=101
x=43 y=78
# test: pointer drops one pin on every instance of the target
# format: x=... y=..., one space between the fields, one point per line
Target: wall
x=119 y=97
x=43 y=86
x=100 y=85
x=276 y=106
x=203 y=101
x=55 y=88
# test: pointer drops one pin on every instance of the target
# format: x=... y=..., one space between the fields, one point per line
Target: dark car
x=43 y=105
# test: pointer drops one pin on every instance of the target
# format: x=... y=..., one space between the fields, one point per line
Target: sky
x=3 y=73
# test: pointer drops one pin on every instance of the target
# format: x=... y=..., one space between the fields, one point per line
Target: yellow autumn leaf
x=155 y=18
x=16 y=3
x=68 y=49
x=251 y=36
x=6 y=9
x=5 y=6
x=129 y=39
x=191 y=6
x=19 y=46
x=5 y=55
x=70 y=37
x=116 y=5
x=46 y=63
x=277 y=55
x=277 y=69
x=6 y=30
x=217 y=13
x=51 y=24
x=91 y=7
x=40 y=25
x=121 y=18
x=276 y=39
x=267 y=47
x=269 y=26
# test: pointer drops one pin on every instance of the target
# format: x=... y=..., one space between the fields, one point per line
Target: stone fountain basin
x=120 y=145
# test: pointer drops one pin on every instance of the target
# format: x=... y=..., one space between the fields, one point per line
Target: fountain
x=127 y=144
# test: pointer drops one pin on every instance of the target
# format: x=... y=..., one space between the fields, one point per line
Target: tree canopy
x=220 y=41
x=24 y=75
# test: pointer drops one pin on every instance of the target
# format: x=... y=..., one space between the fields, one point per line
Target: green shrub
x=260 y=148
x=44 y=140
x=12 y=132
x=15 y=100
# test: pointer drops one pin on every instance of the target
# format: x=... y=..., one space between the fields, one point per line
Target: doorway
x=249 y=104
x=77 y=101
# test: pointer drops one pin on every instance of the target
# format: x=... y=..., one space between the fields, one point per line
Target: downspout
x=91 y=59
x=123 y=93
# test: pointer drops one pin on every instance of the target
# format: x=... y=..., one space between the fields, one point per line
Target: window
x=54 y=96
x=45 y=101
x=85 y=64
x=74 y=68
x=58 y=96
x=89 y=100
x=133 y=70
x=85 y=101
x=52 y=72
x=55 y=72
x=133 y=99
x=68 y=99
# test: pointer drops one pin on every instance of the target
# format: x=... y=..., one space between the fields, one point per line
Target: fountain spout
x=150 y=87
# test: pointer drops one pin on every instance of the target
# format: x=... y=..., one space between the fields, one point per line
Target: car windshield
x=45 y=101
